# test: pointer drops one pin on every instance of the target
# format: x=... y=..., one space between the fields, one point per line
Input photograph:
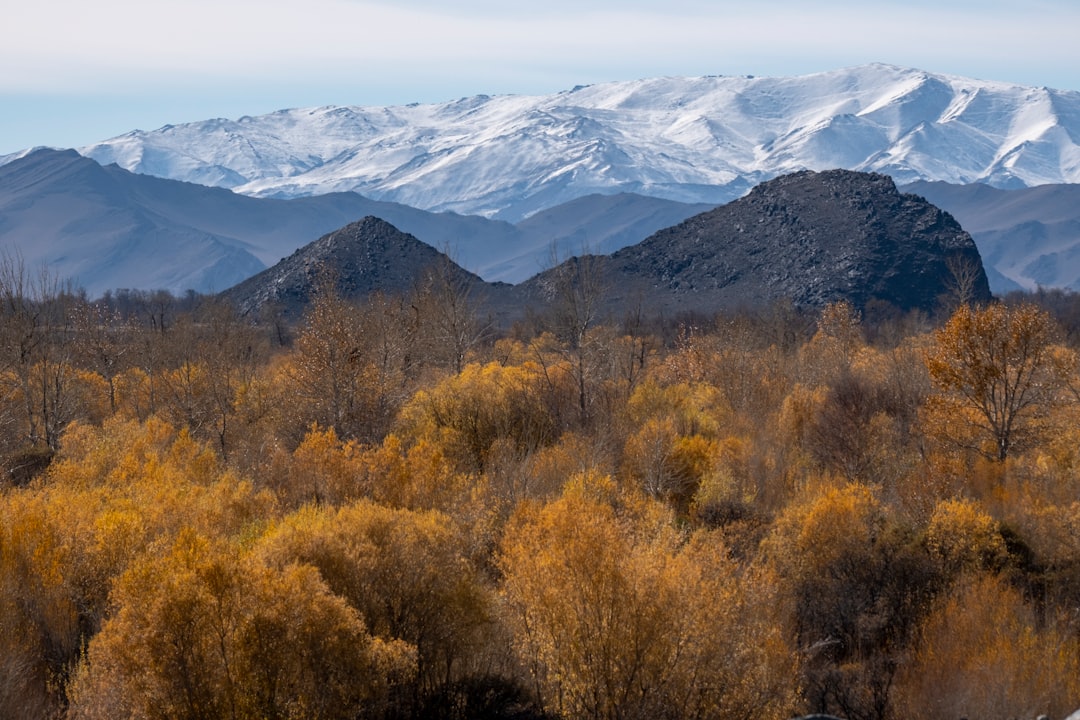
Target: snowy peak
x=705 y=139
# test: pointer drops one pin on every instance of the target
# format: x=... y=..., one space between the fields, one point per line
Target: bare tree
x=448 y=317
x=576 y=292
x=964 y=274
x=104 y=342
x=35 y=355
x=349 y=362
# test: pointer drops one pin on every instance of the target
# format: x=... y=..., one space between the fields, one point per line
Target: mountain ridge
x=365 y=256
x=706 y=139
x=106 y=228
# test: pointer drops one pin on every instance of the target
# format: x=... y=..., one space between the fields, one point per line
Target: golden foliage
x=201 y=631
x=964 y=538
x=983 y=653
x=367 y=524
x=403 y=571
x=467 y=413
x=839 y=522
x=998 y=375
x=615 y=616
x=114 y=491
x=696 y=408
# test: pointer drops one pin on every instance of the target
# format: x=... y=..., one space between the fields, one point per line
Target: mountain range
x=593 y=169
x=703 y=139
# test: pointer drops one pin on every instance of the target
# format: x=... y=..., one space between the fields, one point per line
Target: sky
x=74 y=72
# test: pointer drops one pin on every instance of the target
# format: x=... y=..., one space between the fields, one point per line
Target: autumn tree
x=39 y=614
x=65 y=538
x=471 y=411
x=104 y=343
x=326 y=373
x=996 y=376
x=963 y=538
x=833 y=347
x=674 y=444
x=448 y=317
x=211 y=360
x=861 y=428
x=348 y=363
x=205 y=632
x=575 y=290
x=37 y=371
x=615 y=616
x=856 y=590
x=403 y=571
x=154 y=314
x=985 y=653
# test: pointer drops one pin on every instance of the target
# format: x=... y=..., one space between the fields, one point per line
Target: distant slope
x=704 y=139
x=811 y=238
x=1029 y=237
x=107 y=228
x=62 y=210
x=591 y=224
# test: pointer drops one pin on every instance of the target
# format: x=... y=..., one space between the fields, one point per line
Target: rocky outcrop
x=810 y=237
x=363 y=257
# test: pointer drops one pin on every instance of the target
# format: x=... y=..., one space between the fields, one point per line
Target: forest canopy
x=202 y=515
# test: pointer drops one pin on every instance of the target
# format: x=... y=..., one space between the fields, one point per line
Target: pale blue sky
x=73 y=72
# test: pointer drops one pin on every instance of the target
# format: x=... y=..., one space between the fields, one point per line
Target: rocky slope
x=809 y=237
x=361 y=258
x=1028 y=237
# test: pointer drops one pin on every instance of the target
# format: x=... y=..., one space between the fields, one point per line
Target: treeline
x=396 y=510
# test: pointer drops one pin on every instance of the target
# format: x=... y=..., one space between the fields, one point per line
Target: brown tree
x=349 y=362
x=36 y=366
x=204 y=632
x=576 y=292
x=997 y=377
x=616 y=615
x=448 y=316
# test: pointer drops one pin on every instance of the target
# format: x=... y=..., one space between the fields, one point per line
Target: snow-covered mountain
x=706 y=139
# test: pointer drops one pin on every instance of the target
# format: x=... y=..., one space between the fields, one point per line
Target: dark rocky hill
x=363 y=257
x=811 y=237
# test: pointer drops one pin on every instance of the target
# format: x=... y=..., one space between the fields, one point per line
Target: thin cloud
x=122 y=43
x=231 y=57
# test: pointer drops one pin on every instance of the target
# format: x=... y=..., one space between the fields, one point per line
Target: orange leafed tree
x=616 y=614
x=203 y=631
x=996 y=374
x=985 y=653
x=403 y=571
